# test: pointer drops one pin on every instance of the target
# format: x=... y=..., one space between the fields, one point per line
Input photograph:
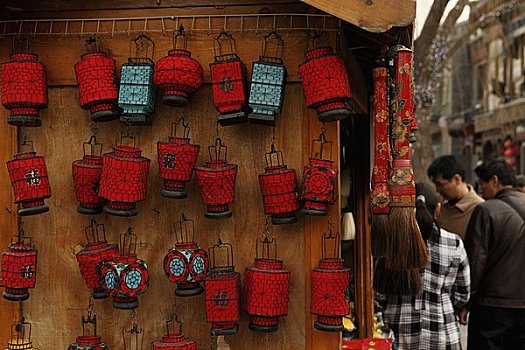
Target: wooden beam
x=372 y=15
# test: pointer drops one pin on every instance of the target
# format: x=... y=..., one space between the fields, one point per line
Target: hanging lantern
x=88 y=341
x=177 y=159
x=223 y=287
x=186 y=263
x=267 y=87
x=19 y=268
x=279 y=189
x=330 y=287
x=216 y=179
x=20 y=336
x=92 y=254
x=86 y=178
x=125 y=277
x=325 y=83
x=319 y=180
x=97 y=82
x=230 y=87
x=28 y=173
x=266 y=288
x=177 y=74
x=174 y=339
x=24 y=86
x=124 y=178
x=137 y=92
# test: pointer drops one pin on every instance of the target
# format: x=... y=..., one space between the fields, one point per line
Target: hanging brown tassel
x=405 y=247
x=396 y=282
x=379 y=195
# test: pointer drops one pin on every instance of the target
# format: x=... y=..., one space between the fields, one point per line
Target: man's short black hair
x=447 y=167
x=499 y=167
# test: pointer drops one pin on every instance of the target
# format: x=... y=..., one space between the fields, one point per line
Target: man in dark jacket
x=495 y=245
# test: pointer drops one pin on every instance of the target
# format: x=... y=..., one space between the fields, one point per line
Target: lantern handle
x=25 y=142
x=94 y=147
x=173 y=319
x=92 y=43
x=227 y=248
x=330 y=235
x=20 y=43
x=90 y=320
x=184 y=229
x=128 y=242
x=20 y=237
x=180 y=32
x=217 y=43
x=134 y=331
x=94 y=228
x=142 y=46
x=322 y=142
x=274 y=158
x=317 y=38
x=266 y=241
x=20 y=330
x=217 y=149
x=279 y=44
x=127 y=134
x=186 y=128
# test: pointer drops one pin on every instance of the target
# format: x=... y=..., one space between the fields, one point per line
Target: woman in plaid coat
x=428 y=320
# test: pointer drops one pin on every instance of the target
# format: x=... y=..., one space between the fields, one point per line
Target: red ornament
x=18 y=268
x=330 y=282
x=88 y=341
x=325 y=83
x=28 y=173
x=97 y=83
x=319 y=180
x=223 y=287
x=177 y=159
x=24 y=89
x=86 y=178
x=94 y=252
x=266 y=288
x=177 y=74
x=174 y=340
x=124 y=179
x=125 y=277
x=367 y=344
x=216 y=179
x=230 y=87
x=186 y=264
x=279 y=189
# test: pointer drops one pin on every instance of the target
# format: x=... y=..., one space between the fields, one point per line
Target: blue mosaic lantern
x=137 y=91
x=267 y=88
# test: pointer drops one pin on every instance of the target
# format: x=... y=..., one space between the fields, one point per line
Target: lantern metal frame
x=20 y=336
x=174 y=339
x=134 y=336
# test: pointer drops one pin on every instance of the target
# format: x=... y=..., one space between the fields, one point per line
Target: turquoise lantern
x=268 y=80
x=137 y=91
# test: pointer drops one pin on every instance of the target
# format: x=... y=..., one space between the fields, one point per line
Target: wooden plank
x=8 y=218
x=372 y=15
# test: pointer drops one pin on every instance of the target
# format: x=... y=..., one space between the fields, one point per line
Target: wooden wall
x=61 y=297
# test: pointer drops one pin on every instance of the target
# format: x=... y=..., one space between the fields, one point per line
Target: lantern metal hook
x=18 y=331
x=94 y=147
x=180 y=33
x=266 y=242
x=90 y=320
x=143 y=45
x=217 y=43
x=186 y=128
x=128 y=242
x=186 y=231
x=92 y=43
x=173 y=319
x=93 y=230
x=279 y=44
x=227 y=252
x=331 y=236
x=319 y=145
x=218 y=152
x=274 y=158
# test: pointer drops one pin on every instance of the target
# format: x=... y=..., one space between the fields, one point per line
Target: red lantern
x=24 y=88
x=319 y=180
x=88 y=341
x=266 y=288
x=223 y=287
x=18 y=268
x=124 y=178
x=186 y=263
x=125 y=277
x=216 y=179
x=330 y=282
x=279 y=189
x=96 y=251
x=177 y=159
x=367 y=344
x=177 y=74
x=174 y=340
x=325 y=83
x=28 y=173
x=230 y=87
x=97 y=82
x=86 y=178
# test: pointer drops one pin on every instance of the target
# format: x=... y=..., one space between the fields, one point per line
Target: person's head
x=427 y=208
x=520 y=183
x=494 y=176
x=448 y=175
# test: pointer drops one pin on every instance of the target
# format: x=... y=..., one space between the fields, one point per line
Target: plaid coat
x=427 y=320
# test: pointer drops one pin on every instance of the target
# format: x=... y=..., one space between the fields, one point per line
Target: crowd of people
x=475 y=276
